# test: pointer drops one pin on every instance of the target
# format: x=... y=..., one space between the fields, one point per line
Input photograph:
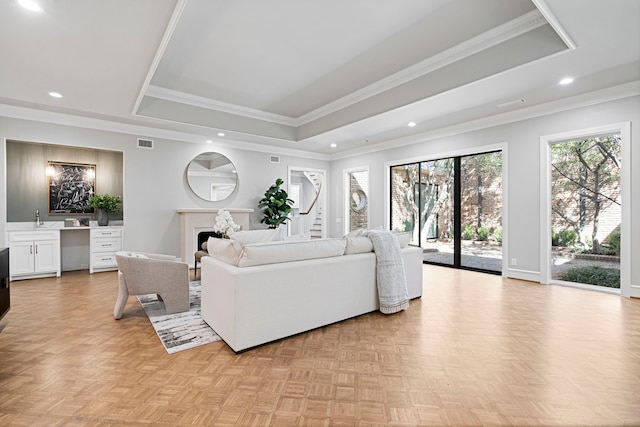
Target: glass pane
x=404 y=208
x=358 y=200
x=435 y=197
x=481 y=211
x=586 y=211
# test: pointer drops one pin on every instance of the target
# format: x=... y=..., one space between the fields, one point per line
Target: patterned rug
x=180 y=331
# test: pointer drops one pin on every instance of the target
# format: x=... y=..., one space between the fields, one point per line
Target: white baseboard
x=514 y=273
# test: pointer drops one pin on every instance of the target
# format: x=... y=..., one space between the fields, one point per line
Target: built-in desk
x=42 y=251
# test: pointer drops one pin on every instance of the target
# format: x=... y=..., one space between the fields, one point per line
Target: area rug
x=180 y=331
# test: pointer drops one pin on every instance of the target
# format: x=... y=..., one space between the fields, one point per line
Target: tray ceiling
x=307 y=74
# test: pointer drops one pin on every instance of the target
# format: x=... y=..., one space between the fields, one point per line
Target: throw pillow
x=225 y=250
x=358 y=245
x=403 y=238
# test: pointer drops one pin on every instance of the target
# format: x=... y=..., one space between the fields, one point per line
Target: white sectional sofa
x=261 y=292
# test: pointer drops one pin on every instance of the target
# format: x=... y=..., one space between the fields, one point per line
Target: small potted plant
x=105 y=204
x=276 y=204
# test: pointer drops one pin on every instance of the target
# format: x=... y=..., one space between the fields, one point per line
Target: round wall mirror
x=212 y=176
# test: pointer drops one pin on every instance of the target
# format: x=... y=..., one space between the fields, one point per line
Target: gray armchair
x=144 y=273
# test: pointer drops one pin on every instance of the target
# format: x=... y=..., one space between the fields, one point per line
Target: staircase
x=315 y=209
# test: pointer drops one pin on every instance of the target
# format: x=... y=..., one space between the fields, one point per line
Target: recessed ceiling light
x=220 y=133
x=333 y=145
x=566 y=81
x=55 y=95
x=209 y=141
x=30 y=5
x=411 y=124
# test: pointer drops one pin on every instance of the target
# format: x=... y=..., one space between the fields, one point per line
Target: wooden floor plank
x=476 y=350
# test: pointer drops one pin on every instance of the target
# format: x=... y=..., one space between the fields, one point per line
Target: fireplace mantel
x=195 y=220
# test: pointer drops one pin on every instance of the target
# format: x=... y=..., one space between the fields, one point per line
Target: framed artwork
x=70 y=187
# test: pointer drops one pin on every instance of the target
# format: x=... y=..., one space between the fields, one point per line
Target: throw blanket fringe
x=391 y=281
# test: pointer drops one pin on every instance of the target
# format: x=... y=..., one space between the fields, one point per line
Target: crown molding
x=212 y=104
x=509 y=30
x=541 y=5
x=49 y=117
x=166 y=38
x=584 y=100
x=490 y=38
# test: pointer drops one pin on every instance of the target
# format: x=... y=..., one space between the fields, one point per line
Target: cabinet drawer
x=105 y=245
x=28 y=236
x=110 y=232
x=104 y=260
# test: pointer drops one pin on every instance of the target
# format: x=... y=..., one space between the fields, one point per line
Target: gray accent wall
x=27 y=184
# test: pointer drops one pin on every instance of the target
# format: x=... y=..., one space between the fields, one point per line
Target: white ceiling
x=304 y=74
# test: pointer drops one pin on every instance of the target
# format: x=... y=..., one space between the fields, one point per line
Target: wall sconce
x=91 y=173
x=49 y=170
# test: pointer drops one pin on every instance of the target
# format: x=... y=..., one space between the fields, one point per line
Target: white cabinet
x=105 y=242
x=34 y=253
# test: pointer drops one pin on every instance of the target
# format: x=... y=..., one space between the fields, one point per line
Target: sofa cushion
x=358 y=245
x=226 y=250
x=248 y=237
x=277 y=252
x=358 y=242
x=403 y=238
x=298 y=237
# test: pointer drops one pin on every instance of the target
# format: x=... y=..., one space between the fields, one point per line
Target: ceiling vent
x=145 y=143
x=512 y=103
x=274 y=159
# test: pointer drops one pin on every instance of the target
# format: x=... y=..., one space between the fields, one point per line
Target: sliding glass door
x=453 y=208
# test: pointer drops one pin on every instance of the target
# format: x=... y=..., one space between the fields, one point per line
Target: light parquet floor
x=475 y=350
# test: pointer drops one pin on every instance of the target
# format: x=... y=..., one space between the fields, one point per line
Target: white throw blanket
x=391 y=281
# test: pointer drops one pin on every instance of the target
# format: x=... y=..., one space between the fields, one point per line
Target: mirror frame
x=216 y=172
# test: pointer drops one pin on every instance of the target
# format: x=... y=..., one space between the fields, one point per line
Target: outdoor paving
x=489 y=257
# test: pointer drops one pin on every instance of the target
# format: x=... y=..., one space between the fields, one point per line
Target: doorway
x=453 y=208
x=307 y=188
x=584 y=217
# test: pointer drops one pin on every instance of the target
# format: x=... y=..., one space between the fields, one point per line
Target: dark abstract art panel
x=70 y=187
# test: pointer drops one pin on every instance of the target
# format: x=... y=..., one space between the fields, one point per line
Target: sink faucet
x=37 y=218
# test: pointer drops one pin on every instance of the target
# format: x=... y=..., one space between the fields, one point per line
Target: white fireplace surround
x=193 y=221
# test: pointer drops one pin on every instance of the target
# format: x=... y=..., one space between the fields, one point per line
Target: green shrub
x=564 y=238
x=467 y=234
x=614 y=243
x=497 y=234
x=593 y=275
x=483 y=233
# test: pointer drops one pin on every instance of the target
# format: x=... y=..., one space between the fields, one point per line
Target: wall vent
x=145 y=143
x=274 y=159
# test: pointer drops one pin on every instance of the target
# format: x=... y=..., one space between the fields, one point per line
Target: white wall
x=155 y=183
x=522 y=139
x=155 y=180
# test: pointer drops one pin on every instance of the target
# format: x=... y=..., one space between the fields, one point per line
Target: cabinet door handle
x=30 y=249
x=36 y=249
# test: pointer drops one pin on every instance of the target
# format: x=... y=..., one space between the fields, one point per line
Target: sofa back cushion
x=277 y=252
x=256 y=236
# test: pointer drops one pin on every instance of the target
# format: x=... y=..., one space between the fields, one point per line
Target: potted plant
x=276 y=205
x=105 y=204
x=224 y=225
